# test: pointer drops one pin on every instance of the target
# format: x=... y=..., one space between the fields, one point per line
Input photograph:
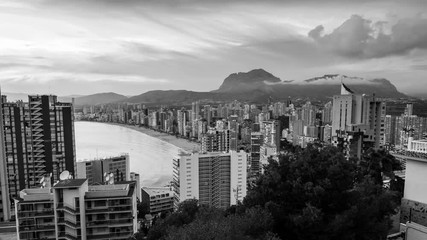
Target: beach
x=182 y=143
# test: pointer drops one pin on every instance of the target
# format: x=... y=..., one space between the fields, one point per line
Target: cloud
x=358 y=37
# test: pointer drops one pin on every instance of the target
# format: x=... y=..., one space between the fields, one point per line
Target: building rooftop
x=113 y=190
x=209 y=154
x=121 y=156
x=157 y=190
x=70 y=183
x=35 y=195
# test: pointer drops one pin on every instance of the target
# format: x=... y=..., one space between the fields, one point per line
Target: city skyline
x=131 y=47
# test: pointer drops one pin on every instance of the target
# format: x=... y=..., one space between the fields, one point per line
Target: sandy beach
x=182 y=143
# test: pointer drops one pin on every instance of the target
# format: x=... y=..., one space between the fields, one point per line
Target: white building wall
x=416 y=181
x=189 y=177
x=341 y=112
x=81 y=170
x=238 y=183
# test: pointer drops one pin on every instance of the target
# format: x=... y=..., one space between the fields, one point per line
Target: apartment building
x=159 y=199
x=38 y=140
x=357 y=114
x=72 y=209
x=95 y=169
x=216 y=179
x=215 y=141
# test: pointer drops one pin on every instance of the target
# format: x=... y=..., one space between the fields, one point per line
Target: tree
x=316 y=193
x=143 y=208
x=193 y=221
x=211 y=223
x=184 y=215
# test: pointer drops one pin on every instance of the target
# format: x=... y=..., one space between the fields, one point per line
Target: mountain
x=258 y=85
x=68 y=98
x=243 y=82
x=99 y=98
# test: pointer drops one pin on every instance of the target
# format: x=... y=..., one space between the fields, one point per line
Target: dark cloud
x=361 y=38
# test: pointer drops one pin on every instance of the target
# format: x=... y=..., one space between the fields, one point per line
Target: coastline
x=182 y=143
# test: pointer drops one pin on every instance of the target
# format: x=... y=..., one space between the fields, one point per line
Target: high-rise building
x=4 y=189
x=38 y=142
x=358 y=113
x=207 y=112
x=308 y=114
x=94 y=170
x=215 y=179
x=414 y=201
x=255 y=157
x=216 y=141
x=195 y=107
x=135 y=177
x=327 y=113
x=74 y=210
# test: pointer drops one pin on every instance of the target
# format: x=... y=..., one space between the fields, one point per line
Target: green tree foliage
x=316 y=193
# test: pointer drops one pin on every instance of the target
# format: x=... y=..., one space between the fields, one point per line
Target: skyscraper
x=358 y=113
x=256 y=142
x=39 y=141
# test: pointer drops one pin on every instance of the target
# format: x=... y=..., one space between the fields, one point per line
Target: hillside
x=258 y=85
x=99 y=98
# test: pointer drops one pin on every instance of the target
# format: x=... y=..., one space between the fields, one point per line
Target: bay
x=150 y=157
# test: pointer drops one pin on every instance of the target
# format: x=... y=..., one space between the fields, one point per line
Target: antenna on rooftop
x=64 y=175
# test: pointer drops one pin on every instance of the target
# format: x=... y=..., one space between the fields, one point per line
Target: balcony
x=98 y=210
x=119 y=209
x=109 y=235
x=37 y=228
x=68 y=236
x=30 y=214
x=109 y=223
x=72 y=224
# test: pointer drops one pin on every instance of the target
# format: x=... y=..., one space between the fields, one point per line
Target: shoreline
x=182 y=143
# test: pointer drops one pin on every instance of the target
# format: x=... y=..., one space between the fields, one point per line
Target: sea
x=150 y=157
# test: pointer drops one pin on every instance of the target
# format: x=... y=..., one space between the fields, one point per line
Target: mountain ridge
x=258 y=85
x=99 y=98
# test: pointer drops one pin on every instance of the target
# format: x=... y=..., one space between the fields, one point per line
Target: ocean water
x=150 y=157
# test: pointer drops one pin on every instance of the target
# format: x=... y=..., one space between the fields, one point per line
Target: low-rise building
x=159 y=199
x=72 y=209
x=35 y=217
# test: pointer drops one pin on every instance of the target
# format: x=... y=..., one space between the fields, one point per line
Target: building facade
x=159 y=199
x=38 y=141
x=357 y=113
x=215 y=179
x=74 y=210
x=94 y=170
x=216 y=141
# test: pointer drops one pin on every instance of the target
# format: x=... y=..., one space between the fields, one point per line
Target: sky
x=130 y=47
